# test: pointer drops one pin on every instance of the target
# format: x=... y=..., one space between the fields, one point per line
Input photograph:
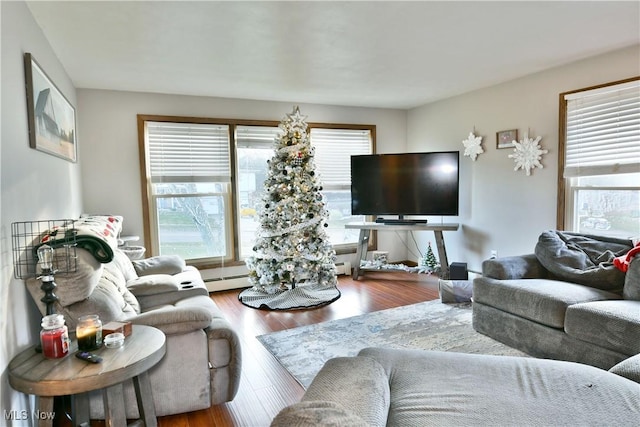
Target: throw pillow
x=583 y=259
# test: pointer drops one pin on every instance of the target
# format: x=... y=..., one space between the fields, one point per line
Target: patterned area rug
x=429 y=325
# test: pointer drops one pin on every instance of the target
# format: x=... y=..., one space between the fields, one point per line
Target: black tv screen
x=405 y=184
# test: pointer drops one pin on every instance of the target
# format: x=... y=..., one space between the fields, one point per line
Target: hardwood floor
x=266 y=387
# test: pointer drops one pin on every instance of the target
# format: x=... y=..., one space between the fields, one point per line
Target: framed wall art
x=505 y=138
x=52 y=118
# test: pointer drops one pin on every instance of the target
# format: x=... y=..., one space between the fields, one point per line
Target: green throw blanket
x=96 y=234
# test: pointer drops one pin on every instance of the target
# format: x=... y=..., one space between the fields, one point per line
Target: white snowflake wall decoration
x=473 y=146
x=527 y=154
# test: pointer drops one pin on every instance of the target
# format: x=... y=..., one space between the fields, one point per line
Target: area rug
x=428 y=325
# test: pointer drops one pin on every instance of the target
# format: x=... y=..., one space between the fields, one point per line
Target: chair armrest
x=628 y=368
x=359 y=384
x=514 y=267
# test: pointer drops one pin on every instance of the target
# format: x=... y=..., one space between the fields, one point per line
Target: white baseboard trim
x=239 y=282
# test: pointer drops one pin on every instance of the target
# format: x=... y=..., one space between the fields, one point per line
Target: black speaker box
x=458 y=271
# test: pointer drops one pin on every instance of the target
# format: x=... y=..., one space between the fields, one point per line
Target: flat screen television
x=405 y=184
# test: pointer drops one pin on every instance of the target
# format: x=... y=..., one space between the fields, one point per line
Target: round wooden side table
x=32 y=373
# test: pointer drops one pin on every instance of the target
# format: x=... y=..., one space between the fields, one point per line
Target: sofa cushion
x=541 y=300
x=583 y=259
x=122 y=261
x=610 y=324
x=110 y=300
x=430 y=388
x=78 y=285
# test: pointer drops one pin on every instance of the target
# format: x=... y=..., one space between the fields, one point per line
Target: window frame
x=566 y=192
x=149 y=209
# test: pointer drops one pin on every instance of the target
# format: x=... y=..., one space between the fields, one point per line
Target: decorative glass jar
x=54 y=336
x=89 y=332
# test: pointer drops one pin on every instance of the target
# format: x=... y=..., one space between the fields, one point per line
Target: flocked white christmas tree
x=292 y=249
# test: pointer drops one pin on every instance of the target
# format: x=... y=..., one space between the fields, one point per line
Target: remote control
x=88 y=357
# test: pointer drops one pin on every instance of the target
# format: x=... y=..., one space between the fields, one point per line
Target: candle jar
x=89 y=333
x=54 y=336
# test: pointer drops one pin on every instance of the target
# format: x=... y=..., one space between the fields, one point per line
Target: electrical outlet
x=494 y=254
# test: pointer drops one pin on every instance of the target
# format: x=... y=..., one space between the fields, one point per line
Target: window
x=189 y=187
x=204 y=182
x=334 y=148
x=254 y=147
x=600 y=160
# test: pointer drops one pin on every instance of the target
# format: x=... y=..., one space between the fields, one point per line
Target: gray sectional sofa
x=566 y=301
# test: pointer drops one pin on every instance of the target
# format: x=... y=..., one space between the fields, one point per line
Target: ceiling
x=384 y=54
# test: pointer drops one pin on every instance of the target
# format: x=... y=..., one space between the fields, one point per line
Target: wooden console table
x=30 y=372
x=365 y=231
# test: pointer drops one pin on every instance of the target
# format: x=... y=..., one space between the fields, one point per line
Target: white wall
x=34 y=185
x=110 y=158
x=502 y=209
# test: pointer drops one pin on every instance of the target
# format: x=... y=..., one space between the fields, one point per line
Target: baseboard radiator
x=239 y=282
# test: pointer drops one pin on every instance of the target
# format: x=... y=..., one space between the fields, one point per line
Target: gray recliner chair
x=203 y=355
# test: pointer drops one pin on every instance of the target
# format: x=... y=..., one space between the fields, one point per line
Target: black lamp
x=45 y=258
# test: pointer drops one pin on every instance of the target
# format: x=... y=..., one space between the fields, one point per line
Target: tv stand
x=365 y=231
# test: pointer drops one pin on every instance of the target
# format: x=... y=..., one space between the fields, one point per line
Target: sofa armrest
x=225 y=354
x=153 y=284
x=175 y=320
x=628 y=368
x=359 y=384
x=317 y=413
x=161 y=264
x=514 y=267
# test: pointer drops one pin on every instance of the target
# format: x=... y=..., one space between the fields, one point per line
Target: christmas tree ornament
x=293 y=265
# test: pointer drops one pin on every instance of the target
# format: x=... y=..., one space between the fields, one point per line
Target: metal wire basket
x=27 y=237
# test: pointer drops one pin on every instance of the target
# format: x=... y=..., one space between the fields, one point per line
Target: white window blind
x=603 y=131
x=188 y=152
x=256 y=136
x=334 y=148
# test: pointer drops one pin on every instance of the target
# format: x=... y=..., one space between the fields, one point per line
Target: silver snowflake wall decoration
x=473 y=146
x=527 y=154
